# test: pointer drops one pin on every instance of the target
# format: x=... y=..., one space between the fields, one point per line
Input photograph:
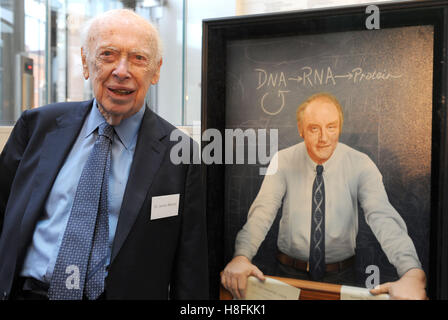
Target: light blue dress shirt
x=47 y=238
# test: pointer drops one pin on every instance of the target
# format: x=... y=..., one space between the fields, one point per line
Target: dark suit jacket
x=151 y=259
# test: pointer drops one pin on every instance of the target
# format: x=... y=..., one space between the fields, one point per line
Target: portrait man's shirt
x=350 y=176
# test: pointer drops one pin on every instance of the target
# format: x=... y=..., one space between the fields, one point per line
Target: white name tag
x=165 y=206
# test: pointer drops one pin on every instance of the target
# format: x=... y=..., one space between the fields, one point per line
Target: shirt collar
x=127 y=129
x=327 y=164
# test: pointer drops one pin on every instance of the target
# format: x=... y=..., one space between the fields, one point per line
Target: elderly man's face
x=320 y=129
x=121 y=65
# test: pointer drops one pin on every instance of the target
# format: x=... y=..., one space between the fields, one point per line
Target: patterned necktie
x=317 y=242
x=81 y=264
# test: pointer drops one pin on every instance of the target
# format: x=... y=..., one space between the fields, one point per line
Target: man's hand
x=235 y=274
x=411 y=286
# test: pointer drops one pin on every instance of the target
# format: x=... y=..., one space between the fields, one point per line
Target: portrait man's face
x=121 y=65
x=320 y=129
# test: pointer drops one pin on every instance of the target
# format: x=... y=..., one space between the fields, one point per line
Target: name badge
x=165 y=206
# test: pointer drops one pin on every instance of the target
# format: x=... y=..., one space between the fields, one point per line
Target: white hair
x=86 y=28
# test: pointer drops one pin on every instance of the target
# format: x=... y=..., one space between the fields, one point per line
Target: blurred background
x=40 y=59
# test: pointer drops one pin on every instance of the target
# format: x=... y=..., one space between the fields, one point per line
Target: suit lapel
x=55 y=148
x=147 y=159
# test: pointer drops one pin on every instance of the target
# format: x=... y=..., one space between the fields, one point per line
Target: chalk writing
x=281 y=95
x=308 y=77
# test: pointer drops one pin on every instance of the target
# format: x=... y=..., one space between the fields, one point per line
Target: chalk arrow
x=348 y=75
x=298 y=79
x=281 y=94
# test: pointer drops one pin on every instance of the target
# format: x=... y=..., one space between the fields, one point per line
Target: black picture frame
x=216 y=35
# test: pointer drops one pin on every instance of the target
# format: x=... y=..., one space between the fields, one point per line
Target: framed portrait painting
x=391 y=82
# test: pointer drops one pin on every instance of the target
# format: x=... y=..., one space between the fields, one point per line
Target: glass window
x=12 y=46
x=35 y=34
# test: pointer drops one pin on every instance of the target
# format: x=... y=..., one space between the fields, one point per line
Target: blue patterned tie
x=317 y=241
x=81 y=264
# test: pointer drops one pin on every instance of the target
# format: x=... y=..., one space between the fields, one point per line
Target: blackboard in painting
x=383 y=79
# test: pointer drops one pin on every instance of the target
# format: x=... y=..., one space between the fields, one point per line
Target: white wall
x=169 y=104
x=267 y=6
x=197 y=11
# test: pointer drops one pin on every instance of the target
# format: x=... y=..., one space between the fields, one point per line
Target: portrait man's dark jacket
x=151 y=259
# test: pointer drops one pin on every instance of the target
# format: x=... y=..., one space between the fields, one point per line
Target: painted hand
x=411 y=286
x=235 y=274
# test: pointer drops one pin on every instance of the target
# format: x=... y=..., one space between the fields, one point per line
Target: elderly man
x=91 y=206
x=319 y=182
